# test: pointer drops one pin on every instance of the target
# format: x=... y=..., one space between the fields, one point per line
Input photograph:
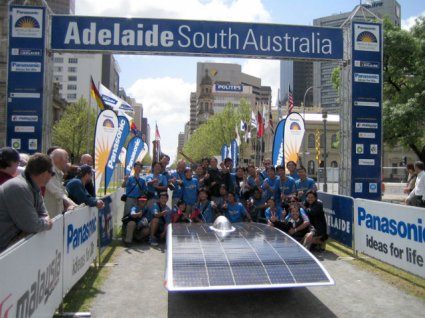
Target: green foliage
x=218 y=130
x=336 y=78
x=404 y=86
x=75 y=130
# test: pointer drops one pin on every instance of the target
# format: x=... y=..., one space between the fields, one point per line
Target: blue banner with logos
x=277 y=154
x=105 y=223
x=184 y=37
x=339 y=217
x=224 y=152
x=234 y=153
x=134 y=148
x=366 y=151
x=25 y=78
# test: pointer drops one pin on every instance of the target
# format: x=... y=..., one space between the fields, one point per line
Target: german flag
x=96 y=95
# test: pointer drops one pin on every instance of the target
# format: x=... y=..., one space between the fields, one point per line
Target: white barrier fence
x=38 y=271
x=392 y=233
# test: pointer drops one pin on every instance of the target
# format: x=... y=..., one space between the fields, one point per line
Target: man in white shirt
x=56 y=198
x=417 y=196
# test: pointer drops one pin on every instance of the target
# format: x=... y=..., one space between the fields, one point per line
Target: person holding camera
x=137 y=222
x=135 y=187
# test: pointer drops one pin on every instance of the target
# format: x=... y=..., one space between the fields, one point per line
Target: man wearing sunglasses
x=22 y=209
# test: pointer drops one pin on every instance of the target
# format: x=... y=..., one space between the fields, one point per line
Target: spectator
x=9 y=161
x=23 y=160
x=77 y=191
x=411 y=178
x=235 y=211
x=135 y=187
x=22 y=209
x=56 y=198
x=138 y=224
x=70 y=173
x=160 y=215
x=417 y=196
x=87 y=159
x=314 y=209
x=304 y=184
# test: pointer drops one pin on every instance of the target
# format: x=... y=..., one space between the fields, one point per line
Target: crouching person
x=160 y=214
x=298 y=224
x=137 y=227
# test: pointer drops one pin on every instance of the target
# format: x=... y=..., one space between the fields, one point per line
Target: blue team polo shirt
x=190 y=190
x=162 y=182
x=235 y=212
x=132 y=189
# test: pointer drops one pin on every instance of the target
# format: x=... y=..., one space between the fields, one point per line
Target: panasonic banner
x=25 y=83
x=366 y=111
x=80 y=244
x=392 y=233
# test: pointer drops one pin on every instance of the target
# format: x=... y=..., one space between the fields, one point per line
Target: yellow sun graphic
x=101 y=157
x=27 y=22
x=367 y=37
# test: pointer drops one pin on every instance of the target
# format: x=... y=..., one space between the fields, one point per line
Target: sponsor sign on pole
x=106 y=223
x=184 y=37
x=392 y=233
x=80 y=244
x=31 y=275
x=366 y=149
x=25 y=78
x=339 y=217
x=106 y=130
x=293 y=136
x=234 y=154
x=224 y=152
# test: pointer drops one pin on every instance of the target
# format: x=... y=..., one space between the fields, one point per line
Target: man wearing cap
x=9 y=161
x=56 y=198
x=87 y=159
x=22 y=209
x=138 y=226
x=77 y=191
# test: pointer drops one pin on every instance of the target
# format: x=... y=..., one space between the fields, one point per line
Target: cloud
x=222 y=10
x=165 y=101
x=407 y=24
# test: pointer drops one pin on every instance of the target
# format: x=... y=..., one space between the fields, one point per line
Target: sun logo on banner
x=27 y=22
x=367 y=37
x=108 y=123
x=295 y=126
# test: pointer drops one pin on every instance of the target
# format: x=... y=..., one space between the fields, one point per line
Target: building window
x=72 y=69
x=71 y=96
x=58 y=60
x=72 y=78
x=72 y=87
x=57 y=78
x=72 y=60
x=311 y=141
x=57 y=69
x=334 y=141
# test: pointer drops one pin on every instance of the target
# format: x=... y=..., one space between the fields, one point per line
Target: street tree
x=74 y=132
x=208 y=139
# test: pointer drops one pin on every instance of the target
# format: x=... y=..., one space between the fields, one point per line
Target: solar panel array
x=253 y=256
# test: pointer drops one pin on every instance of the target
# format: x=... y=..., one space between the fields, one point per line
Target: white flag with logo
x=113 y=101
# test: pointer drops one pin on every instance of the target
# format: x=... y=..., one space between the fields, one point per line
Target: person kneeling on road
x=160 y=214
x=138 y=224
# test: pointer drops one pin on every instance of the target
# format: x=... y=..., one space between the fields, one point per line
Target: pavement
x=135 y=288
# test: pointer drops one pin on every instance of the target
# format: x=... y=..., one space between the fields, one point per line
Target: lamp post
x=305 y=95
x=325 y=185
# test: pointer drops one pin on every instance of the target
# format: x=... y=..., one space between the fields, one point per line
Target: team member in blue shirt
x=304 y=184
x=205 y=208
x=287 y=185
x=160 y=216
x=135 y=187
x=190 y=189
x=273 y=213
x=270 y=185
x=292 y=168
x=177 y=180
x=156 y=182
x=234 y=211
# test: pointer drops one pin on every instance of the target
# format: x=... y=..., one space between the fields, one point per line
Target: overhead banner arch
x=189 y=37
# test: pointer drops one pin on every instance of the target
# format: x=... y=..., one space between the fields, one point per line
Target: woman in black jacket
x=314 y=210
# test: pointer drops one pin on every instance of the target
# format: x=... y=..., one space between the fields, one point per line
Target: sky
x=163 y=83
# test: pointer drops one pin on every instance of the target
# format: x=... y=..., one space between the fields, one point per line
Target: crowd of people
x=245 y=194
x=35 y=189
